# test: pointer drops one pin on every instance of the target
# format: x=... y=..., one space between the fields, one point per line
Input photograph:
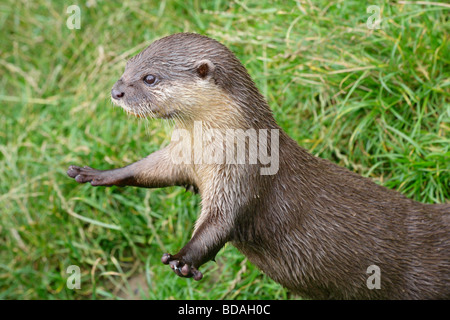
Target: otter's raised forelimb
x=154 y=171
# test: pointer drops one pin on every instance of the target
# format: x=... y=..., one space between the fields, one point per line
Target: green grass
x=375 y=101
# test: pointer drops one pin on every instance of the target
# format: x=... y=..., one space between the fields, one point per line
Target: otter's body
x=311 y=225
x=332 y=224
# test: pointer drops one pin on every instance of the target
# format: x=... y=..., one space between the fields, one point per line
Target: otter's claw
x=181 y=268
x=88 y=174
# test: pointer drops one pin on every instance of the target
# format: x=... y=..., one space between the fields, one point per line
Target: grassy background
x=375 y=101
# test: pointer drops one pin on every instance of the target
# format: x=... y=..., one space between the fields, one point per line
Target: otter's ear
x=205 y=69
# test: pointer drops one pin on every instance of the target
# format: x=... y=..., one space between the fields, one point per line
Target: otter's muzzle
x=117 y=94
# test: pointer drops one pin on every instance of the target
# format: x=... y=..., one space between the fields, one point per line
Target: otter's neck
x=224 y=112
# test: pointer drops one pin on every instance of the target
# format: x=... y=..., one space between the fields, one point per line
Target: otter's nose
x=116 y=94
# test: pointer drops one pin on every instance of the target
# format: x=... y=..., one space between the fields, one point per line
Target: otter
x=318 y=229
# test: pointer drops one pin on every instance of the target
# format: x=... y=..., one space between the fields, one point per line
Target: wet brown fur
x=314 y=227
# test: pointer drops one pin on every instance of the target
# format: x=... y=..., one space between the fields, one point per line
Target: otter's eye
x=150 y=80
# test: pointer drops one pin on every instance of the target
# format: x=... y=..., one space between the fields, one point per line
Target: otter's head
x=185 y=76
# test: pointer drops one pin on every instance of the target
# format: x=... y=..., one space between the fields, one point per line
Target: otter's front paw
x=180 y=267
x=87 y=174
